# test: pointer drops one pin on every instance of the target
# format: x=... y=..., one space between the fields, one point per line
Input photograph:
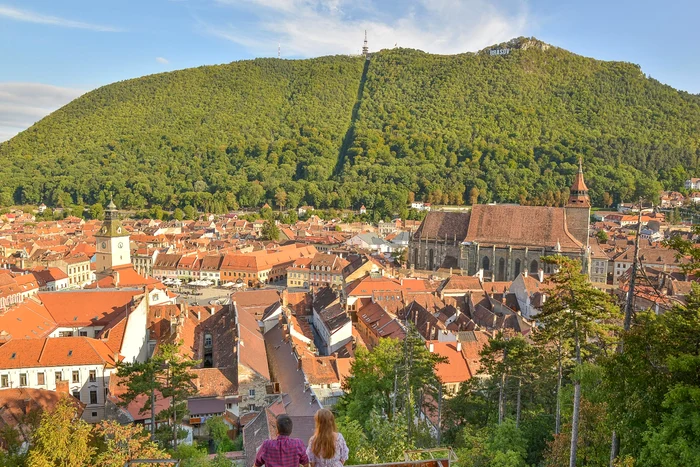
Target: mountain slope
x=339 y=132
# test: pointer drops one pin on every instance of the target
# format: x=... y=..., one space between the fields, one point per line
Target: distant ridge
x=446 y=129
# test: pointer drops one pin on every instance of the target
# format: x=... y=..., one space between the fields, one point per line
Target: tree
x=189 y=212
x=62 y=439
x=581 y=314
x=167 y=373
x=281 y=198
x=178 y=214
x=218 y=432
x=602 y=236
x=122 y=443
x=141 y=378
x=270 y=231
x=97 y=211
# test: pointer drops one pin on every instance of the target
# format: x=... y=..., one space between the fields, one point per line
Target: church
x=500 y=241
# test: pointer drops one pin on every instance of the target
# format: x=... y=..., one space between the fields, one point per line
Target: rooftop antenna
x=365 y=49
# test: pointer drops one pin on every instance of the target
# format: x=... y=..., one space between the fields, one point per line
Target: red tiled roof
x=57 y=351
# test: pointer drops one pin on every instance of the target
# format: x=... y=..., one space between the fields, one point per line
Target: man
x=283 y=451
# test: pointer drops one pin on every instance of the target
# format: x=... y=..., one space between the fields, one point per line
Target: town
x=274 y=319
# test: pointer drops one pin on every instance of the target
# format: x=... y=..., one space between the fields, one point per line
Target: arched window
x=415 y=257
x=485 y=263
x=501 y=269
x=431 y=259
x=517 y=267
x=534 y=267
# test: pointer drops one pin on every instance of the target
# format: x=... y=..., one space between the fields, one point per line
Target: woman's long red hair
x=323 y=444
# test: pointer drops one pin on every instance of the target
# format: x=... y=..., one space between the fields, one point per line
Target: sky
x=53 y=51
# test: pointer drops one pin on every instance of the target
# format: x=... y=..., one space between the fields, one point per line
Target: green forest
x=341 y=131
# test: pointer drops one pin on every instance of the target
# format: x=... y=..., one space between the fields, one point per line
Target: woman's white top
x=341 y=454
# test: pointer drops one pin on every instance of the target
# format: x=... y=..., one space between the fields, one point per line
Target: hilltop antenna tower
x=365 y=49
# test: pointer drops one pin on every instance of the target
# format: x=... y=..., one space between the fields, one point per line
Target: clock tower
x=112 y=243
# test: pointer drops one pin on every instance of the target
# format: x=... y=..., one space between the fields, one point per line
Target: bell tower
x=578 y=209
x=112 y=242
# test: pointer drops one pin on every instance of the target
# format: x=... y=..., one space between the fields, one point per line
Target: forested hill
x=342 y=131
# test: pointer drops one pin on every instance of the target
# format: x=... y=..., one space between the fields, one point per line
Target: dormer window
x=207 y=340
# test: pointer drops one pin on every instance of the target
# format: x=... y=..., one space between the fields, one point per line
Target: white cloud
x=317 y=27
x=32 y=17
x=162 y=60
x=23 y=104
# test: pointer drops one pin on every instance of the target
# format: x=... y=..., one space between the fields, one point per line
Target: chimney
x=525 y=272
x=431 y=347
x=199 y=316
x=116 y=278
x=212 y=310
x=540 y=274
x=459 y=346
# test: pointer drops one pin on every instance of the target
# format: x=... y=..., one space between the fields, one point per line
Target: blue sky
x=53 y=51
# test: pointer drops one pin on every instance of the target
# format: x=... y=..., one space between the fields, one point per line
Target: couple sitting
x=327 y=447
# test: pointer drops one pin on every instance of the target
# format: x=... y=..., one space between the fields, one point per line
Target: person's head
x=284 y=425
x=324 y=436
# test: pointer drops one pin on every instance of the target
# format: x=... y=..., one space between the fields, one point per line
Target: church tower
x=113 y=248
x=578 y=209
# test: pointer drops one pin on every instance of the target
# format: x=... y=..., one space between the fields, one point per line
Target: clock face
x=104 y=245
x=120 y=245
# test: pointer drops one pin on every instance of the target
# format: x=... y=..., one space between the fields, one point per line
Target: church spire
x=578 y=193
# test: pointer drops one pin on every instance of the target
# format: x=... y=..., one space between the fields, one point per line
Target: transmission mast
x=365 y=48
x=279 y=50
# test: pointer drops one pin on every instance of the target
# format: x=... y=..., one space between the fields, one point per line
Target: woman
x=327 y=447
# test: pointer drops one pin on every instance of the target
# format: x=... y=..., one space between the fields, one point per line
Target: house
x=531 y=293
x=454 y=370
x=21 y=406
x=263 y=266
x=264 y=305
x=51 y=279
x=374 y=323
x=370 y=242
x=165 y=266
x=331 y=322
x=210 y=268
x=326 y=270
x=143 y=260
x=363 y=209
x=692 y=184
x=658 y=257
x=599 y=264
x=84 y=363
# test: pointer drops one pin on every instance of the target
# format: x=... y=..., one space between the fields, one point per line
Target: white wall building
x=81 y=365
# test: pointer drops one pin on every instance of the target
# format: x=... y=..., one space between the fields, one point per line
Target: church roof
x=443 y=225
x=533 y=226
x=504 y=224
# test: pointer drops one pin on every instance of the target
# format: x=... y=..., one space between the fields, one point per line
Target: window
x=83 y=333
x=4 y=381
x=65 y=334
x=59 y=376
x=76 y=394
x=485 y=263
x=93 y=376
x=94 y=414
x=93 y=397
x=251 y=392
x=517 y=267
x=534 y=267
x=40 y=379
x=207 y=340
x=23 y=379
x=76 y=376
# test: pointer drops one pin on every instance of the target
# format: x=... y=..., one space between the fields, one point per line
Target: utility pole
x=629 y=310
